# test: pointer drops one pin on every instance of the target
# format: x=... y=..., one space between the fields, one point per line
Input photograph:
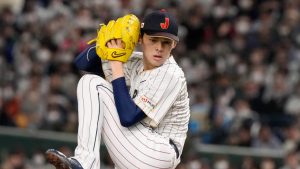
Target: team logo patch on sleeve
x=147 y=101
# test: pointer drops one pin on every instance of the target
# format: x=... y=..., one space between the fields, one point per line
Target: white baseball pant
x=134 y=147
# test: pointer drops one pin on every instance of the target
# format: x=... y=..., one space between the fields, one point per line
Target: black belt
x=175 y=147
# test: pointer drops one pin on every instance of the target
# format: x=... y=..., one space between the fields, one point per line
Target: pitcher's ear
x=174 y=44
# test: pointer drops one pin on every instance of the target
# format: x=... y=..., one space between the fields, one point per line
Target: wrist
x=115 y=63
x=117 y=69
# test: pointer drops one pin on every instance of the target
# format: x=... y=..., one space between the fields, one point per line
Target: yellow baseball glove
x=126 y=28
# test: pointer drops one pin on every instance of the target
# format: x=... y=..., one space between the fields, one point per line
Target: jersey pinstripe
x=161 y=93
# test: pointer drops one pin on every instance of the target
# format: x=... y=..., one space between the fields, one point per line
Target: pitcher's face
x=156 y=50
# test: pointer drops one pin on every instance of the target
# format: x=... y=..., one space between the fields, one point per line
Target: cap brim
x=163 y=35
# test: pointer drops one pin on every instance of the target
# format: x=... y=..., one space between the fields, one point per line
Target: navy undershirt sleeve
x=128 y=111
x=89 y=61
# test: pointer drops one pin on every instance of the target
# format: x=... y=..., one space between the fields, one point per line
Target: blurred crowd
x=241 y=59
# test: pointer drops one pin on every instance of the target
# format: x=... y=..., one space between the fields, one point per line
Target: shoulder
x=136 y=56
x=134 y=60
x=167 y=73
x=172 y=68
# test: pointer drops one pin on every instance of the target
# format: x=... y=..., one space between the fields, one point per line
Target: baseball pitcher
x=137 y=102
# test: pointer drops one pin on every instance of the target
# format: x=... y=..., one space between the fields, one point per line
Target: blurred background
x=241 y=59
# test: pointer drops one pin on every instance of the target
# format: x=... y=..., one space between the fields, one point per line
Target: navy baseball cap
x=160 y=23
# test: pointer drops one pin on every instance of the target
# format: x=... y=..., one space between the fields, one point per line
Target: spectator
x=291 y=161
x=291 y=137
x=249 y=163
x=267 y=163
x=15 y=160
x=266 y=139
x=241 y=60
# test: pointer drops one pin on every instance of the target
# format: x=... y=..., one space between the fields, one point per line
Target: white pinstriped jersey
x=161 y=93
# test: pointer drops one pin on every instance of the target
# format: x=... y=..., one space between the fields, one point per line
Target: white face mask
x=219 y=12
x=221 y=164
x=245 y=4
x=38 y=159
x=258 y=76
x=53 y=116
x=242 y=26
x=194 y=165
x=44 y=55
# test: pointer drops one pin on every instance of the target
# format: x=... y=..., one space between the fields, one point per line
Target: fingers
x=115 y=43
x=112 y=44
x=120 y=43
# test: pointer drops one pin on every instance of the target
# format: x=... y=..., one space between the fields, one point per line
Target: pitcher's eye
x=153 y=40
x=167 y=42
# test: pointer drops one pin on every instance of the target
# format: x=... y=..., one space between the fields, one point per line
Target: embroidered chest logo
x=165 y=25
